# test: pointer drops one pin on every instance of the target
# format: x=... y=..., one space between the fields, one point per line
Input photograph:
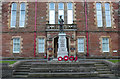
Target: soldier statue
x=61 y=24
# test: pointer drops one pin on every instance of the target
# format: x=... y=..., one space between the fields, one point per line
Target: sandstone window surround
x=60 y=9
x=16 y=44
x=103 y=14
x=18 y=13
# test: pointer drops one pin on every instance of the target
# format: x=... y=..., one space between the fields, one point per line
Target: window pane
x=99 y=21
x=51 y=6
x=107 y=15
x=70 y=16
x=13 y=14
x=99 y=14
x=14 y=6
x=98 y=6
x=52 y=16
x=22 y=6
x=22 y=15
x=70 y=6
x=16 y=45
x=107 y=6
x=60 y=6
x=105 y=44
x=80 y=44
x=41 y=44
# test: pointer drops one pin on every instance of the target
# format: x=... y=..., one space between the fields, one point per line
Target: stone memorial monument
x=62 y=44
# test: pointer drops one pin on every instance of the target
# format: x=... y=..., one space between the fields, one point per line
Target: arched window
x=52 y=13
x=69 y=13
x=99 y=14
x=22 y=15
x=60 y=10
x=107 y=15
x=13 y=14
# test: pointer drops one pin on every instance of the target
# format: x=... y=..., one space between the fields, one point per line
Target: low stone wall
x=115 y=67
x=6 y=70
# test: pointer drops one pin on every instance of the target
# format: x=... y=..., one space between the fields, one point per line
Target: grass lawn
x=114 y=61
x=10 y=62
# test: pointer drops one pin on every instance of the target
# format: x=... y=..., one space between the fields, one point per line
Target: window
x=107 y=15
x=69 y=13
x=103 y=13
x=13 y=14
x=105 y=44
x=22 y=15
x=52 y=13
x=60 y=10
x=16 y=45
x=80 y=44
x=99 y=14
x=41 y=44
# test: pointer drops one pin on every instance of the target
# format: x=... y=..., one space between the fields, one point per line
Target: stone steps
x=106 y=75
x=69 y=69
x=20 y=73
x=60 y=75
x=20 y=76
x=62 y=65
x=25 y=66
x=103 y=69
x=22 y=70
x=104 y=72
x=82 y=69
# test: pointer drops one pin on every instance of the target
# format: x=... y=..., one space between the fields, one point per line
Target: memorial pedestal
x=62 y=45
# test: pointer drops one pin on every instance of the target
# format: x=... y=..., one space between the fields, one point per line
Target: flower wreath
x=60 y=58
x=71 y=58
x=65 y=58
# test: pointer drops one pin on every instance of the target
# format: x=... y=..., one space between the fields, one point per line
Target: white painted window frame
x=106 y=44
x=71 y=10
x=13 y=15
x=43 y=47
x=51 y=10
x=21 y=15
x=18 y=42
x=83 y=44
x=106 y=19
x=98 y=16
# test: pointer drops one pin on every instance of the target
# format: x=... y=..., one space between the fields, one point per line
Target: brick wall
x=27 y=33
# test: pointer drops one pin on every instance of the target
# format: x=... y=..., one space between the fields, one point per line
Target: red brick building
x=30 y=29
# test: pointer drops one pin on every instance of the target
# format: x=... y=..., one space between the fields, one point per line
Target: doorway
x=56 y=46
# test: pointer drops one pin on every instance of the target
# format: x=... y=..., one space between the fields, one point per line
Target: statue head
x=61 y=17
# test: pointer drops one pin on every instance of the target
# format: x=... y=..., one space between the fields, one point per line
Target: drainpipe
x=86 y=26
x=35 y=29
